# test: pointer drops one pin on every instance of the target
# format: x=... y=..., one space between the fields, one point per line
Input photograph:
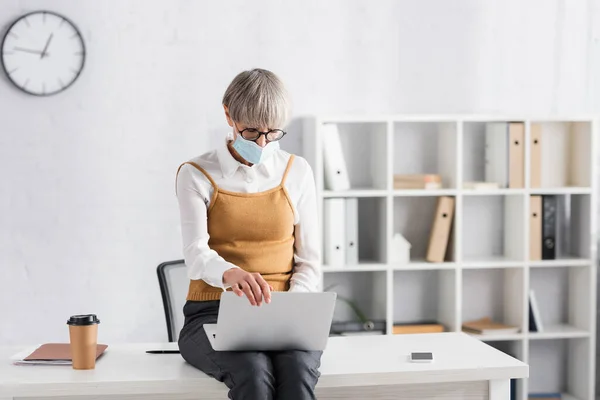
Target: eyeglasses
x=253 y=134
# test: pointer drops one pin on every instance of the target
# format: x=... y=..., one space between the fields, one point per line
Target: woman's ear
x=229 y=120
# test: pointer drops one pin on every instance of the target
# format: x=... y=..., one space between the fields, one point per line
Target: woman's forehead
x=242 y=126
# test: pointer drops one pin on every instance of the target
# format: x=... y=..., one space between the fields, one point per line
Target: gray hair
x=257 y=98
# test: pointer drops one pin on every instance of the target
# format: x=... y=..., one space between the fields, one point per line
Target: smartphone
x=421 y=357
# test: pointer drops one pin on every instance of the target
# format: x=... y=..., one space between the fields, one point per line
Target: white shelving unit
x=488 y=272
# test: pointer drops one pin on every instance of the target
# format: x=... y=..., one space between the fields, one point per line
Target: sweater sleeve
x=193 y=195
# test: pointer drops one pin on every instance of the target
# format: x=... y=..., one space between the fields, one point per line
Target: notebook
x=51 y=354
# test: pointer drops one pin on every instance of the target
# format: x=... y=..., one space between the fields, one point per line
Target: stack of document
x=417 y=181
x=22 y=358
x=49 y=354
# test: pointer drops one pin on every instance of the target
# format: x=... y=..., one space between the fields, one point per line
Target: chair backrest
x=174 y=283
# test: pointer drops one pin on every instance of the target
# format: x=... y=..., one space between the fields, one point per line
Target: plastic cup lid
x=82 y=320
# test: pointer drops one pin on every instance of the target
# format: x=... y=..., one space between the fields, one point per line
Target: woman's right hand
x=253 y=285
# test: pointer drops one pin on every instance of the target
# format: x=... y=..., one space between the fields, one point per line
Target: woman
x=249 y=224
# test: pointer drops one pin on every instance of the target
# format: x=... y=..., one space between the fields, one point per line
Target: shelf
x=413 y=218
x=483 y=146
x=412 y=266
x=573 y=224
x=358 y=228
x=367 y=290
x=355 y=193
x=565 y=262
x=356 y=268
x=426 y=148
x=563 y=299
x=464 y=192
x=491 y=262
x=565 y=154
x=561 y=190
x=424 y=265
x=497 y=294
x=425 y=295
x=372 y=225
x=378 y=117
x=559 y=332
x=492 y=227
x=353 y=119
x=366 y=164
x=487 y=271
x=492 y=192
x=498 y=337
x=424 y=192
x=556 y=366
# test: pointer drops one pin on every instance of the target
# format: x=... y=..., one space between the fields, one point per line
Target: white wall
x=87 y=206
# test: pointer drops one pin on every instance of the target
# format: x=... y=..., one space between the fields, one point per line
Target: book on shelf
x=417 y=327
x=351 y=239
x=487 y=326
x=548 y=227
x=417 y=181
x=535 y=228
x=516 y=155
x=441 y=229
x=549 y=231
x=340 y=236
x=535 y=320
x=334 y=238
x=334 y=163
x=535 y=156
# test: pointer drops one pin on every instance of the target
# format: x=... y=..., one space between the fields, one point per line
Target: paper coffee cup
x=83 y=333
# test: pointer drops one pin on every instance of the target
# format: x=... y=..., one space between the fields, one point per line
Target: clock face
x=43 y=53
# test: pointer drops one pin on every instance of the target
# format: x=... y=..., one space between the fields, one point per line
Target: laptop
x=291 y=321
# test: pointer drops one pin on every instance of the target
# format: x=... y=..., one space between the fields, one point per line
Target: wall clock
x=43 y=53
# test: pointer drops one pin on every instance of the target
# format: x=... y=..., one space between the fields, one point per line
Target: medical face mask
x=252 y=152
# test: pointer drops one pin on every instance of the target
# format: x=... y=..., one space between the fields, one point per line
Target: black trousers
x=249 y=375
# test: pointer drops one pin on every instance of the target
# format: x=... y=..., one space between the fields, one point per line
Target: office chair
x=174 y=283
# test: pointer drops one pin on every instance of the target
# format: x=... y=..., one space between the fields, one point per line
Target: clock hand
x=26 y=50
x=44 y=54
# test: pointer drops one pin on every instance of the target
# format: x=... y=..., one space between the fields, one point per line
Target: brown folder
x=439 y=236
x=417 y=328
x=57 y=352
x=516 y=155
x=535 y=169
x=486 y=325
x=535 y=228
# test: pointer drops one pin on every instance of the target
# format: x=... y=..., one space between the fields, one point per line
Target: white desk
x=366 y=367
